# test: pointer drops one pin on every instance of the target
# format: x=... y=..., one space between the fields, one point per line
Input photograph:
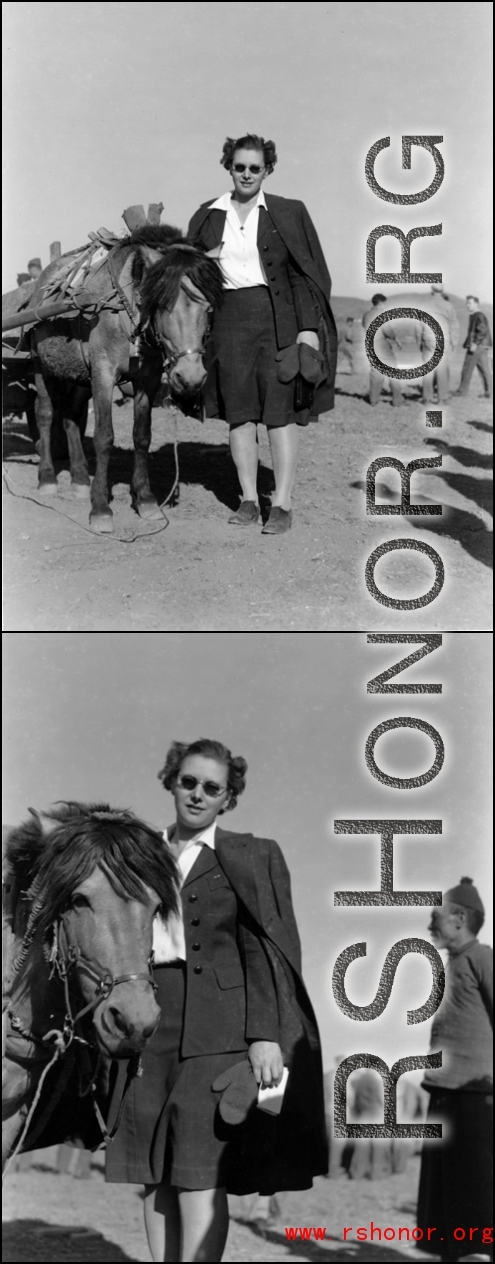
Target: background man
x=478 y=341
x=455 y=1191
x=386 y=344
x=34 y=268
x=440 y=307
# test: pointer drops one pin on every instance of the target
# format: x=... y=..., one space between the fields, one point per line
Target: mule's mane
x=51 y=854
x=181 y=256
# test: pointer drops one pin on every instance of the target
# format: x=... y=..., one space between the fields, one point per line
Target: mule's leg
x=101 y=517
x=47 y=482
x=144 y=394
x=75 y=418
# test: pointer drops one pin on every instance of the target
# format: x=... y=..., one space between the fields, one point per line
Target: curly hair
x=267 y=147
x=235 y=764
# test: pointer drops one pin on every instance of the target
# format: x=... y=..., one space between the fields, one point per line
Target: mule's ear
x=150 y=256
x=46 y=823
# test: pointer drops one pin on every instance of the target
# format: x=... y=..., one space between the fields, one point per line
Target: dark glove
x=303 y=359
x=239 y=1092
x=311 y=364
x=288 y=363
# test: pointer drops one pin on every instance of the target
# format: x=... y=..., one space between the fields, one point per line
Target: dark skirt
x=243 y=370
x=171 y=1127
x=456 y=1188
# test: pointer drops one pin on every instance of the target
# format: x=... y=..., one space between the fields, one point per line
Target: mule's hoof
x=48 y=489
x=81 y=490
x=101 y=523
x=150 y=511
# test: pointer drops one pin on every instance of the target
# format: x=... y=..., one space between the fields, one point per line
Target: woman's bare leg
x=284 y=444
x=162 y=1222
x=244 y=449
x=205 y=1223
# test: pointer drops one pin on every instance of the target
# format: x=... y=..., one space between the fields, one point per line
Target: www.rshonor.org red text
x=375 y=1232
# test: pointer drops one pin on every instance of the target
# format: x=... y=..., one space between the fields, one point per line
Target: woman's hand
x=267 y=1062
x=309 y=336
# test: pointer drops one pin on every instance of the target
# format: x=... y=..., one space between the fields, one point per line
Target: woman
x=276 y=300
x=234 y=1010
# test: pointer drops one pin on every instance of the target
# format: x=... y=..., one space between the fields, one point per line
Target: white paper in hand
x=271 y=1099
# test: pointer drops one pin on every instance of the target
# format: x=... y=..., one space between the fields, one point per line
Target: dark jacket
x=478 y=331
x=297 y=1147
x=296 y=275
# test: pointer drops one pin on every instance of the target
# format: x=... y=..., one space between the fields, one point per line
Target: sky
x=111 y=104
x=90 y=717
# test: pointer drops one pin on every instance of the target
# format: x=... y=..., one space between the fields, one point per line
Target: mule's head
x=180 y=287
x=110 y=935
x=97 y=879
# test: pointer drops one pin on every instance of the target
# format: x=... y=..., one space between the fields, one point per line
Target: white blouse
x=239 y=256
x=168 y=938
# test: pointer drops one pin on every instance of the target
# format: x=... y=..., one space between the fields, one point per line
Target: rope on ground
x=115 y=539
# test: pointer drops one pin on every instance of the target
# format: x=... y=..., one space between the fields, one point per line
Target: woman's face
x=247 y=183
x=195 y=807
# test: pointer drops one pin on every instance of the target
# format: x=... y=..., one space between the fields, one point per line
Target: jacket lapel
x=264 y=225
x=206 y=860
x=212 y=226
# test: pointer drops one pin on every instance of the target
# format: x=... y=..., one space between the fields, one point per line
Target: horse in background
x=87 y=884
x=163 y=288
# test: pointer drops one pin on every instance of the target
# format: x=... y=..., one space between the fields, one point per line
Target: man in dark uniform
x=477 y=342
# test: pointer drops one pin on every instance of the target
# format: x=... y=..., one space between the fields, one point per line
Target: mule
x=167 y=287
x=88 y=882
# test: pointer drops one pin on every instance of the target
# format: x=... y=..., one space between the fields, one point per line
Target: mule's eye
x=79 y=901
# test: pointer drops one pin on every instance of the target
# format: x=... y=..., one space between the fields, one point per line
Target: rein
x=105 y=981
x=64 y=957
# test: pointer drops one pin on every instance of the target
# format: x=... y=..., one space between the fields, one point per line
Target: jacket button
x=195 y=921
x=265 y=247
x=276 y=291
x=198 y=970
x=196 y=947
x=192 y=899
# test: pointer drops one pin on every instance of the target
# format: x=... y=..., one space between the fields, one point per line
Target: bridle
x=173 y=356
x=65 y=957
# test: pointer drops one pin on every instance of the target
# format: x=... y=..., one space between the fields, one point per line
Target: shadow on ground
x=207 y=464
x=457 y=523
x=465 y=456
x=35 y=1240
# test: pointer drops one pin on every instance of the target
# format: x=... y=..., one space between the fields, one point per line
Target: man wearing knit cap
x=455 y=1192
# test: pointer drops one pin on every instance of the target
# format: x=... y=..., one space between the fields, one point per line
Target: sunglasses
x=238 y=167
x=210 y=787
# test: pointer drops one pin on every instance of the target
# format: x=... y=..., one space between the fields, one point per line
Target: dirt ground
x=51 y=1217
x=200 y=573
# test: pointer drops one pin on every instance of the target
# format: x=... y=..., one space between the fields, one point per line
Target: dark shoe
x=280 y=520
x=247 y=513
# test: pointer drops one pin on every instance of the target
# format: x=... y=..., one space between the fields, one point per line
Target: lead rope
x=36 y=1099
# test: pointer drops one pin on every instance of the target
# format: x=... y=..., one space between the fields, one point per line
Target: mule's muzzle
x=124 y=1029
